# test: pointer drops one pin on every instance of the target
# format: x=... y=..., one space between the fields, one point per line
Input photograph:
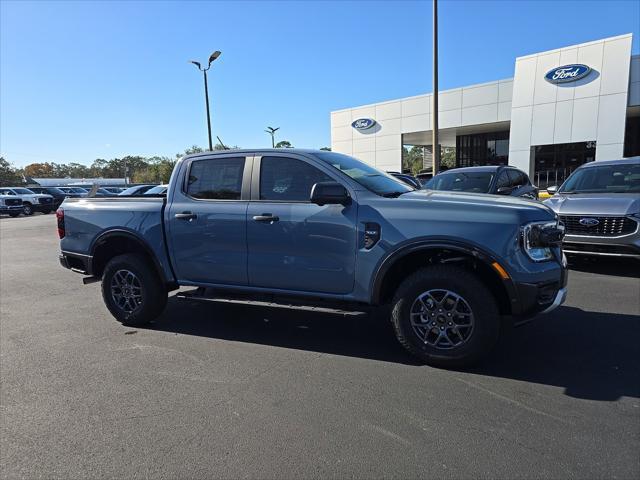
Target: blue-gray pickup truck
x=319 y=228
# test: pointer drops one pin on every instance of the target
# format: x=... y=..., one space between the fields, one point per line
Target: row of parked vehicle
x=599 y=204
x=15 y=201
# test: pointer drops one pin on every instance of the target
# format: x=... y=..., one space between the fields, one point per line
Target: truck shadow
x=591 y=355
x=618 y=267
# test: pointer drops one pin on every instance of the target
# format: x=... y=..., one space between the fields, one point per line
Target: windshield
x=23 y=191
x=604 y=179
x=477 y=182
x=159 y=190
x=79 y=190
x=369 y=177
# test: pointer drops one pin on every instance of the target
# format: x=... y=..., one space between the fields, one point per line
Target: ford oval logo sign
x=567 y=73
x=589 y=222
x=363 y=123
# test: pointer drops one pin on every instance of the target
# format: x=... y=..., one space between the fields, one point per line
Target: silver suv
x=599 y=205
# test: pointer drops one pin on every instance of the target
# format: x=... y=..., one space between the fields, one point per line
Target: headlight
x=539 y=237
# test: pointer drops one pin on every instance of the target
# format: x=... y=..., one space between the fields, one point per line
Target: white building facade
x=562 y=108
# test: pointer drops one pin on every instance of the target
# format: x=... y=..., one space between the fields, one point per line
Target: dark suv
x=494 y=179
x=57 y=194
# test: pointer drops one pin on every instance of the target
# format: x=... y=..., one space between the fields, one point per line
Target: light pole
x=212 y=57
x=272 y=131
x=434 y=114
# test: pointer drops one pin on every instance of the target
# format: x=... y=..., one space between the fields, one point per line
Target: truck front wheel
x=132 y=290
x=445 y=316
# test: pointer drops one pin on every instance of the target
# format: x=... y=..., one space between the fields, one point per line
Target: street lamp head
x=197 y=64
x=213 y=56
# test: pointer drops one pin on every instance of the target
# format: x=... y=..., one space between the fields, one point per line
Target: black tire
x=14 y=214
x=152 y=291
x=481 y=337
x=27 y=209
x=46 y=210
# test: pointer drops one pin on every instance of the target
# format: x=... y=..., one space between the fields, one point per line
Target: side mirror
x=329 y=193
x=552 y=190
x=504 y=190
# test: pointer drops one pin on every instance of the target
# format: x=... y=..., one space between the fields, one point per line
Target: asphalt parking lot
x=244 y=392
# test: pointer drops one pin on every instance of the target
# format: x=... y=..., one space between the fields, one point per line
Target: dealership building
x=562 y=108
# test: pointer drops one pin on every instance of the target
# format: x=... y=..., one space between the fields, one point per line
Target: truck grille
x=12 y=202
x=605 y=226
x=45 y=200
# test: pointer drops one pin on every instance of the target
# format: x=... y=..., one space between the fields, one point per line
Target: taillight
x=60 y=219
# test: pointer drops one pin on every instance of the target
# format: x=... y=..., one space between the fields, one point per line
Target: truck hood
x=595 y=203
x=531 y=209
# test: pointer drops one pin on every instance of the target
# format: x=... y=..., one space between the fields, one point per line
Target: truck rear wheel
x=132 y=290
x=445 y=316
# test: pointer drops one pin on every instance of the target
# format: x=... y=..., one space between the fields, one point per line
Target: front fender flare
x=412 y=246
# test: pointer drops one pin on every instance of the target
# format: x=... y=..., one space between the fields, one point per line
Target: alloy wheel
x=126 y=291
x=442 y=319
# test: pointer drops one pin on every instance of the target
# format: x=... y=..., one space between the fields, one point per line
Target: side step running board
x=199 y=295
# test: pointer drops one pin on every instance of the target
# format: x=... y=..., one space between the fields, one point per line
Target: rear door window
x=216 y=179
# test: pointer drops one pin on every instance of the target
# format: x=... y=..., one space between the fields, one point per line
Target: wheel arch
x=408 y=258
x=114 y=242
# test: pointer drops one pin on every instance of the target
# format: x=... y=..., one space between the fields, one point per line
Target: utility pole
x=434 y=112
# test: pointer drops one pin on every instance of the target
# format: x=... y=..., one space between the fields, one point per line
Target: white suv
x=31 y=202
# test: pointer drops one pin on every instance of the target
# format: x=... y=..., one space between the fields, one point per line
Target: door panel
x=303 y=246
x=207 y=229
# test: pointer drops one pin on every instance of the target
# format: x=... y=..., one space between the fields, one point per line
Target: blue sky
x=86 y=80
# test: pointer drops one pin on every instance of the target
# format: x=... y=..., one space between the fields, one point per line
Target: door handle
x=266 y=217
x=186 y=216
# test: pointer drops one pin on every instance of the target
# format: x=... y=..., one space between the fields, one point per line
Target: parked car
x=57 y=194
x=103 y=192
x=31 y=202
x=424 y=176
x=313 y=228
x=114 y=190
x=136 y=190
x=10 y=205
x=406 y=178
x=79 y=191
x=157 y=190
x=599 y=205
x=493 y=179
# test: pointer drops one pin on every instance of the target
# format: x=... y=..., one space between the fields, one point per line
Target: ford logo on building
x=589 y=222
x=567 y=73
x=363 y=123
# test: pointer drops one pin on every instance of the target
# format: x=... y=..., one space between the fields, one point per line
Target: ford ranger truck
x=316 y=228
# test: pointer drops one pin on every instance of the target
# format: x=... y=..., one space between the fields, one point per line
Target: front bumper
x=10 y=208
x=561 y=296
x=542 y=297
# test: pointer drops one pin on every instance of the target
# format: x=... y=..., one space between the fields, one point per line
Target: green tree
x=448 y=157
x=413 y=158
x=9 y=176
x=39 y=170
x=284 y=144
x=326 y=149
